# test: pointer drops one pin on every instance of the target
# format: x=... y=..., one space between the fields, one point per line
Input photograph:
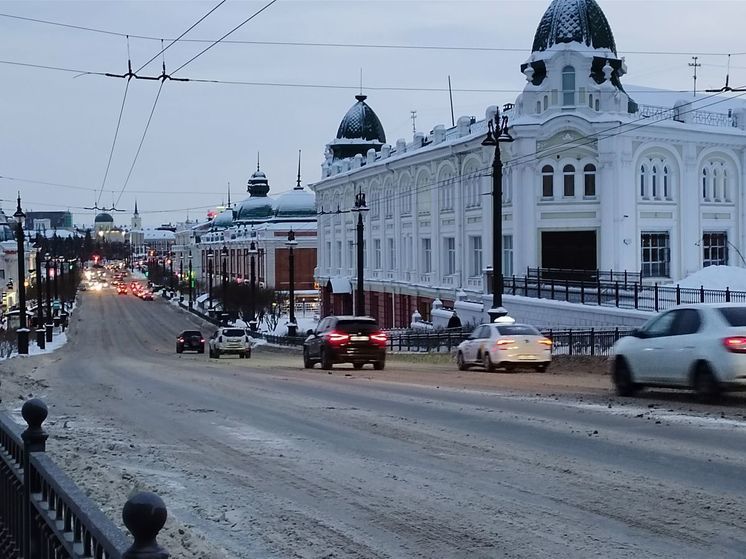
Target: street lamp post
x=209 y=276
x=40 y=333
x=360 y=208
x=291 y=243
x=252 y=311
x=181 y=273
x=62 y=283
x=20 y=245
x=191 y=294
x=497 y=133
x=224 y=277
x=47 y=280
x=171 y=271
x=55 y=271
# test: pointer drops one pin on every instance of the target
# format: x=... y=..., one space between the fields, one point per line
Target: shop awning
x=340 y=285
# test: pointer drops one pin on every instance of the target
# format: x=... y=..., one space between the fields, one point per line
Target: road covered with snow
x=261 y=459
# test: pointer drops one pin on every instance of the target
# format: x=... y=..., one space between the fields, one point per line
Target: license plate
x=359 y=338
x=526 y=357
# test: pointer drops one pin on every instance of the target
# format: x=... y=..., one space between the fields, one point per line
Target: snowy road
x=260 y=459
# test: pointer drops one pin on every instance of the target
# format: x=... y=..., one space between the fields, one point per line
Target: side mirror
x=637 y=333
x=310 y=333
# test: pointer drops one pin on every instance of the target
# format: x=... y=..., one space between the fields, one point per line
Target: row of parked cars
x=700 y=347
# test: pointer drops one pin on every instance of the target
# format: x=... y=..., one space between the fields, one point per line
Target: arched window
x=716 y=185
x=726 y=198
x=654 y=181
x=406 y=199
x=704 y=185
x=643 y=172
x=547 y=181
x=589 y=172
x=568 y=86
x=598 y=105
x=569 y=181
x=546 y=102
x=590 y=100
x=666 y=186
x=538 y=107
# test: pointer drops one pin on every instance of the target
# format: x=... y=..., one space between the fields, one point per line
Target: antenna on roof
x=450 y=95
x=727 y=86
x=298 y=185
x=414 y=121
x=361 y=81
x=695 y=65
x=257 y=160
x=229 y=194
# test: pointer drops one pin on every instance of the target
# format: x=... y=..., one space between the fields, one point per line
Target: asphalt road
x=259 y=458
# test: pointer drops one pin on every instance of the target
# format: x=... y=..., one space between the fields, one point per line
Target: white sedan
x=701 y=347
x=504 y=344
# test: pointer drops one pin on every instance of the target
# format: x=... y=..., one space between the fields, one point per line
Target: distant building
x=49 y=221
x=105 y=230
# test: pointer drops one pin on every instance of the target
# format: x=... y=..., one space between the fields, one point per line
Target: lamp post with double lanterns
x=497 y=133
x=224 y=277
x=209 y=276
x=40 y=332
x=171 y=271
x=252 y=279
x=48 y=281
x=20 y=242
x=360 y=207
x=291 y=243
x=191 y=293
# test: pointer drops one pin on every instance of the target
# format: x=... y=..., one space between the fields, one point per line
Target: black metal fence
x=543 y=274
x=44 y=515
x=617 y=294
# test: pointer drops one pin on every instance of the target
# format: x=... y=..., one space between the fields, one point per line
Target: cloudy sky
x=58 y=126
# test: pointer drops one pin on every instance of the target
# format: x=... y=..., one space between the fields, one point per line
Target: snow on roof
x=667 y=98
x=717 y=277
x=158 y=234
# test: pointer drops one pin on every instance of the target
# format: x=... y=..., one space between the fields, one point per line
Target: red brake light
x=546 y=341
x=501 y=343
x=181 y=339
x=202 y=340
x=379 y=337
x=736 y=344
x=338 y=337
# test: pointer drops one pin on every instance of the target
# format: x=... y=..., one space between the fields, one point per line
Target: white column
x=690 y=218
x=607 y=188
x=625 y=188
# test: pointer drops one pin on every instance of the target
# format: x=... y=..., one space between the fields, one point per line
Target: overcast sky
x=59 y=128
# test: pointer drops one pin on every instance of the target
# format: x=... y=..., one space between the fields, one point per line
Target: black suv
x=345 y=339
x=191 y=340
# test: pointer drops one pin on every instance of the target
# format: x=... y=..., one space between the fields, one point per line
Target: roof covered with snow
x=296 y=203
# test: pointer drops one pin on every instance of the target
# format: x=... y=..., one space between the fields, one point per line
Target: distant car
x=122 y=290
x=191 y=340
x=701 y=347
x=345 y=339
x=146 y=296
x=506 y=345
x=82 y=287
x=230 y=341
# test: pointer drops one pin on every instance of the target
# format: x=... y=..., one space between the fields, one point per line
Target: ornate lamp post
x=360 y=208
x=63 y=263
x=20 y=242
x=191 y=284
x=171 y=271
x=497 y=133
x=224 y=277
x=47 y=280
x=55 y=272
x=181 y=273
x=291 y=243
x=252 y=311
x=209 y=276
x=40 y=332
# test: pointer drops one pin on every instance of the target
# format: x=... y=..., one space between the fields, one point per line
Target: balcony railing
x=706 y=118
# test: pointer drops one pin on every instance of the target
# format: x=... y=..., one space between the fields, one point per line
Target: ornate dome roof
x=296 y=203
x=256 y=208
x=574 y=21
x=223 y=219
x=361 y=123
x=104 y=218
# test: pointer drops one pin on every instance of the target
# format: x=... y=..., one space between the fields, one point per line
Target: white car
x=230 y=340
x=505 y=344
x=701 y=347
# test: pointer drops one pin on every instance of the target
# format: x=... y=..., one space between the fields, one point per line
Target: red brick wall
x=305 y=262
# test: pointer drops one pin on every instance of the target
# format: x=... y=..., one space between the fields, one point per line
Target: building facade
x=593 y=179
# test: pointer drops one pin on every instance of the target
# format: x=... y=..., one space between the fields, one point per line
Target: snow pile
x=717 y=277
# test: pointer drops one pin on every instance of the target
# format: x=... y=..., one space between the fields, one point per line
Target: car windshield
x=233 y=332
x=356 y=326
x=518 y=330
x=735 y=316
x=191 y=333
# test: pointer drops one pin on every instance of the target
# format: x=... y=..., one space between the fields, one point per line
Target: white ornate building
x=593 y=180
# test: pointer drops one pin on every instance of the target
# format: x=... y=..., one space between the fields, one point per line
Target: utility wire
x=244 y=22
x=341 y=45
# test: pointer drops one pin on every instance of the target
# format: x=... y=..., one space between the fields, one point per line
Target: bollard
x=144 y=515
x=50 y=329
x=34 y=412
x=41 y=338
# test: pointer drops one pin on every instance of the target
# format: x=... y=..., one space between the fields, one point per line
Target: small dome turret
x=574 y=21
x=359 y=131
x=103 y=217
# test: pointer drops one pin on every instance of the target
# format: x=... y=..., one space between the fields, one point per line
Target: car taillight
x=546 y=341
x=736 y=344
x=503 y=343
x=338 y=338
x=379 y=337
x=202 y=340
x=181 y=339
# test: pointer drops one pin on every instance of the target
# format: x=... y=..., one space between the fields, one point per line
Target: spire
x=298 y=185
x=136 y=212
x=257 y=160
x=229 y=194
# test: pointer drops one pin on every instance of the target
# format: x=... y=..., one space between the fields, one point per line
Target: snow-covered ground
x=58 y=340
x=717 y=277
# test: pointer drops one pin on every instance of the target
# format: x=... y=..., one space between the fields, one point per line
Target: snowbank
x=717 y=277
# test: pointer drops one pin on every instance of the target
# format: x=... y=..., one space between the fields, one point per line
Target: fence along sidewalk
x=44 y=514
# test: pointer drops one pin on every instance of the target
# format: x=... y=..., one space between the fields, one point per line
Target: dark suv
x=345 y=339
x=191 y=340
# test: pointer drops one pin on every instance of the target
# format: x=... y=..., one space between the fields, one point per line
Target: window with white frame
x=643 y=186
x=391 y=250
x=377 y=261
x=655 y=255
x=422 y=193
x=375 y=203
x=389 y=202
x=475 y=256
x=568 y=172
x=656 y=179
x=406 y=198
x=350 y=254
x=547 y=181
x=714 y=248
x=507 y=255
x=446 y=190
x=338 y=255
x=328 y=255
x=589 y=181
x=568 y=86
x=715 y=185
x=705 y=186
x=427 y=256
x=666 y=183
x=449 y=256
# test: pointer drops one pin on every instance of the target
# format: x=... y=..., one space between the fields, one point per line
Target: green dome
x=574 y=21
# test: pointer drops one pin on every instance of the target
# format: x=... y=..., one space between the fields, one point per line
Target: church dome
x=296 y=203
x=361 y=123
x=256 y=208
x=574 y=21
x=103 y=218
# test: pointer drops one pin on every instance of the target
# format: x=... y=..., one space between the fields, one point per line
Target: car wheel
x=460 y=363
x=622 y=378
x=217 y=354
x=307 y=363
x=705 y=384
x=487 y=362
x=326 y=359
x=357 y=365
x=541 y=368
x=179 y=350
x=201 y=350
x=379 y=365
x=248 y=354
